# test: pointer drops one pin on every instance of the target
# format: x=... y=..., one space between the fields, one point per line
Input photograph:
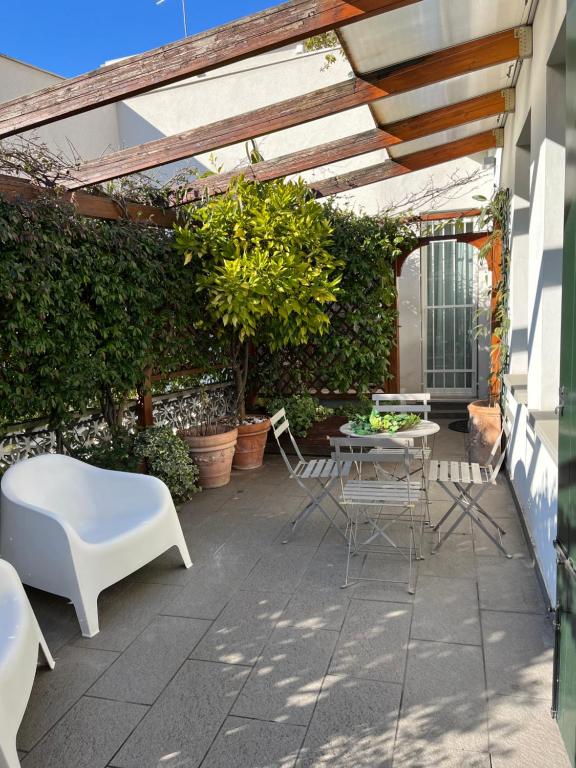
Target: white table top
x=423 y=429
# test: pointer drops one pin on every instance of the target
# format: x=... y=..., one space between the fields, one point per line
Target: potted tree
x=258 y=254
x=485 y=416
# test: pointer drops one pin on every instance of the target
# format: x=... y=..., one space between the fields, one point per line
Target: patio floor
x=255 y=658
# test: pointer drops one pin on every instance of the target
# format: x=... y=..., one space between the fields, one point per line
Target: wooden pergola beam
x=280 y=25
x=441 y=65
x=408 y=163
x=13 y=189
x=486 y=105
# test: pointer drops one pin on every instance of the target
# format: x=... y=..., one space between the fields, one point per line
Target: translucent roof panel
x=443 y=137
x=442 y=94
x=424 y=27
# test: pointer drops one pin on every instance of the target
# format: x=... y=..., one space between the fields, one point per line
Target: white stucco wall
x=533 y=163
x=89 y=135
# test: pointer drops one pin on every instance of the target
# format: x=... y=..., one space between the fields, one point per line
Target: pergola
x=437 y=75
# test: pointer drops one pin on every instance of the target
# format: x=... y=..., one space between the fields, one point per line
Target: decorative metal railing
x=178 y=410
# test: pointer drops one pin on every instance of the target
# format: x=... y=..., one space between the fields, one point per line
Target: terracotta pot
x=212 y=454
x=484 y=425
x=250 y=446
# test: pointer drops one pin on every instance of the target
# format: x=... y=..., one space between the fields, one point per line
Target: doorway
x=449 y=318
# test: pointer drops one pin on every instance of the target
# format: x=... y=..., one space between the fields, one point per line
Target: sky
x=69 y=37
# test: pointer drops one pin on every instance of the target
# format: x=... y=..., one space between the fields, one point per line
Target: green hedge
x=85 y=305
x=355 y=351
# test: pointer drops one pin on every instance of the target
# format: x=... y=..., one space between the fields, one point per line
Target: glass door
x=449 y=316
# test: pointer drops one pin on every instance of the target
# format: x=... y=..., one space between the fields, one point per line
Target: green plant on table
x=377 y=423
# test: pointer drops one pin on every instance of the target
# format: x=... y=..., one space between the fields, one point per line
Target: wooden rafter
x=474 y=55
x=486 y=105
x=94 y=206
x=264 y=31
x=407 y=164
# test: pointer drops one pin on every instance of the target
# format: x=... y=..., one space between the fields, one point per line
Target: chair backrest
x=496 y=463
x=280 y=425
x=51 y=482
x=418 y=402
x=376 y=451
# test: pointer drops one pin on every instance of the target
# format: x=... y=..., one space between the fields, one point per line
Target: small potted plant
x=258 y=254
x=211 y=444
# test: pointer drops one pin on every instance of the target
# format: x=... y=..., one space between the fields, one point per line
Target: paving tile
x=242 y=629
x=354 y=724
x=281 y=568
x=392 y=572
x=56 y=616
x=509 y=585
x=87 y=736
x=147 y=666
x=166 y=569
x=323 y=609
x=444 y=701
x=285 y=683
x=56 y=691
x=410 y=756
x=253 y=744
x=213 y=586
x=454 y=559
x=518 y=650
x=513 y=541
x=439 y=507
x=446 y=610
x=123 y=617
x=327 y=569
x=185 y=718
x=373 y=641
x=523 y=735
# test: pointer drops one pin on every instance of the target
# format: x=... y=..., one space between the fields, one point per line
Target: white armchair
x=72 y=529
x=20 y=637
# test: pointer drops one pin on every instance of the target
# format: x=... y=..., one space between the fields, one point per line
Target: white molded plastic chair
x=73 y=529
x=20 y=637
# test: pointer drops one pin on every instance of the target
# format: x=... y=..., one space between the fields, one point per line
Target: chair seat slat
x=433 y=470
x=476 y=474
x=318 y=467
x=455 y=471
x=444 y=471
x=465 y=470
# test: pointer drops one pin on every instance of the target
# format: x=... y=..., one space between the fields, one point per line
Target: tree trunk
x=241 y=376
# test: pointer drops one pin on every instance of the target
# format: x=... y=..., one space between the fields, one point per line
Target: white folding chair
x=379 y=503
x=464 y=476
x=323 y=473
x=415 y=402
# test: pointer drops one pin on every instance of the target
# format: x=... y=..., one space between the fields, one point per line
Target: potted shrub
x=258 y=255
x=485 y=416
x=211 y=445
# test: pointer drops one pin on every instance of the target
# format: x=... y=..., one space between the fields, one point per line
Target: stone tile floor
x=255 y=658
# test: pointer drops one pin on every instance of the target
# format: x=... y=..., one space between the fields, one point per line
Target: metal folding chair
x=464 y=476
x=415 y=402
x=374 y=505
x=323 y=473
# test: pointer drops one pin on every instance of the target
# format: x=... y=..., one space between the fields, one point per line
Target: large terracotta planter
x=212 y=454
x=484 y=426
x=251 y=443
